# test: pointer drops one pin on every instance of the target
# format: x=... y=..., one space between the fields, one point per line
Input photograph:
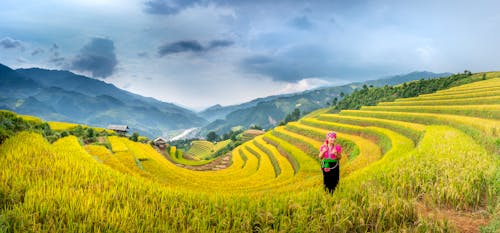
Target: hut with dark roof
x=120 y=129
x=160 y=142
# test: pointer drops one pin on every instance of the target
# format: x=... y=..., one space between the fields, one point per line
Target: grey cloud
x=292 y=65
x=179 y=47
x=273 y=67
x=302 y=23
x=191 y=46
x=97 y=57
x=37 y=51
x=310 y=61
x=54 y=47
x=220 y=43
x=54 y=50
x=172 y=7
x=164 y=7
x=9 y=43
x=55 y=58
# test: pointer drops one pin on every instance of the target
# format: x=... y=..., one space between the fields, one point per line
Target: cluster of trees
x=11 y=124
x=86 y=135
x=371 y=96
x=235 y=141
x=293 y=116
x=256 y=127
x=212 y=136
x=335 y=100
x=136 y=137
x=232 y=135
x=183 y=144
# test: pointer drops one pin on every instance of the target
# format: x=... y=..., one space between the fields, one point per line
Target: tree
x=134 y=137
x=90 y=133
x=373 y=95
x=212 y=136
x=255 y=127
x=233 y=136
x=295 y=114
x=77 y=131
x=64 y=133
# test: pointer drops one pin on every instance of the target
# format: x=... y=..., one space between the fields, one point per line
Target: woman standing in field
x=330 y=153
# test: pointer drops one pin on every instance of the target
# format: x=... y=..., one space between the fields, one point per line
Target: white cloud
x=307 y=84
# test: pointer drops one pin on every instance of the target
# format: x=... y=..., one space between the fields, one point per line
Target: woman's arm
x=338 y=150
x=322 y=152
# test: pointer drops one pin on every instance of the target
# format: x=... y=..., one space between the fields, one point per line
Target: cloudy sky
x=200 y=53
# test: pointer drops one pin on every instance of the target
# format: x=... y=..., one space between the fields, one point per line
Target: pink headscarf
x=337 y=147
x=330 y=135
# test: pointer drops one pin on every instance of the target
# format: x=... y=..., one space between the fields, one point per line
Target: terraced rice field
x=68 y=126
x=202 y=150
x=403 y=160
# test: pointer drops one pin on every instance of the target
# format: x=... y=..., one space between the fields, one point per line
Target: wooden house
x=160 y=142
x=120 y=129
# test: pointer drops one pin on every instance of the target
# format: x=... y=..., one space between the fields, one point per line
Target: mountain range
x=267 y=112
x=56 y=95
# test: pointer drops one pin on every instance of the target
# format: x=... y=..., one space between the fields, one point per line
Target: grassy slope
x=61 y=187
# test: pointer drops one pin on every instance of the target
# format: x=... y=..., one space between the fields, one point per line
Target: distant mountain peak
x=214 y=107
x=60 y=95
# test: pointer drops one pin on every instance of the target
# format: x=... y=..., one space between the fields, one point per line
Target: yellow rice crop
x=452 y=101
x=472 y=94
x=405 y=159
x=486 y=111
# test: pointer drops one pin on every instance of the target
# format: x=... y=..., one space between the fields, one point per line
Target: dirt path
x=102 y=139
x=219 y=163
x=464 y=221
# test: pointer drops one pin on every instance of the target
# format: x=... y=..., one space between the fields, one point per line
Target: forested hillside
x=269 y=112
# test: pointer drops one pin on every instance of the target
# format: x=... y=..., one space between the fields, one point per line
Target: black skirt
x=331 y=178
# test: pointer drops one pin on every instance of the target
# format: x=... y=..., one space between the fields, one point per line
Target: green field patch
x=203 y=150
x=484 y=111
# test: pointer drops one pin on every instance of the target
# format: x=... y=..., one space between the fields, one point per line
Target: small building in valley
x=120 y=129
x=160 y=142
